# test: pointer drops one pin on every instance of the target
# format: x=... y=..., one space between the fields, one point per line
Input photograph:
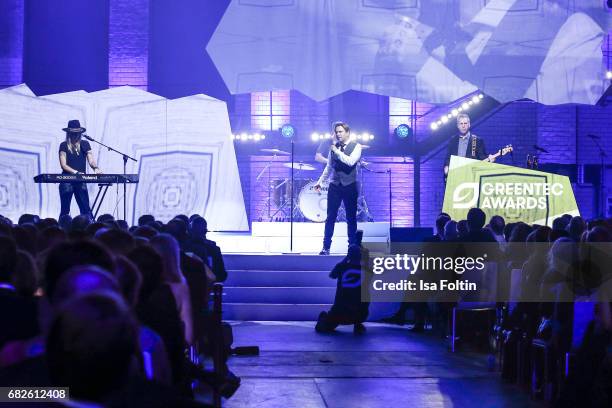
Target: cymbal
x=300 y=166
x=275 y=151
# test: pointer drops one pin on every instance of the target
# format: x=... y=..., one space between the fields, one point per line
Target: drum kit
x=309 y=204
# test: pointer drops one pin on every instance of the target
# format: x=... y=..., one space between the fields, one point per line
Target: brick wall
x=128 y=43
x=375 y=186
x=11 y=42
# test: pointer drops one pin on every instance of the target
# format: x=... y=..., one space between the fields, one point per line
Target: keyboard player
x=74 y=155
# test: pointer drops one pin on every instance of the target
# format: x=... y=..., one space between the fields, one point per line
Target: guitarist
x=466 y=144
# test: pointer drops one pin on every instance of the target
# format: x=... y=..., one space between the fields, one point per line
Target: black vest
x=343 y=173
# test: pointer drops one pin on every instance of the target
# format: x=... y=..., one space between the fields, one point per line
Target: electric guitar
x=501 y=152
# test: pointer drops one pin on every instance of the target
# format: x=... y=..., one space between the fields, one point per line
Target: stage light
x=403 y=131
x=444 y=119
x=465 y=106
x=609 y=75
x=476 y=99
x=328 y=135
x=246 y=137
x=288 y=131
x=434 y=126
x=454 y=112
x=314 y=137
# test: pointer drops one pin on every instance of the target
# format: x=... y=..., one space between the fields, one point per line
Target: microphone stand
x=602 y=198
x=125 y=160
x=292 y=195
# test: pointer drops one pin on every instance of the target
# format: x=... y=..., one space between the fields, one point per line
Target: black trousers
x=336 y=195
x=66 y=190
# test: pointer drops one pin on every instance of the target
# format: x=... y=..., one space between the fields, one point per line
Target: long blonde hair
x=76 y=147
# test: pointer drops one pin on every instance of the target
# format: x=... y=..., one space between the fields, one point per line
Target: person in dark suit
x=465 y=144
x=212 y=253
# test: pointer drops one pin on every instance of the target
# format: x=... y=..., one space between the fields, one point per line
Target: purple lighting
x=11 y=38
x=128 y=41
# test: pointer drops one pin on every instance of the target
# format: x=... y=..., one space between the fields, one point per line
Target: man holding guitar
x=466 y=144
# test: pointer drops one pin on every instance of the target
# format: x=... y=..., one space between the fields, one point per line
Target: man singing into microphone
x=72 y=155
x=341 y=172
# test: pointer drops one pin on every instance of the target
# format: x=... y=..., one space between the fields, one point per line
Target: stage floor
x=274 y=237
x=386 y=367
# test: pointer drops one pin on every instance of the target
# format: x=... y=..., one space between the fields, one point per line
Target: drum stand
x=268 y=203
x=287 y=202
x=362 y=205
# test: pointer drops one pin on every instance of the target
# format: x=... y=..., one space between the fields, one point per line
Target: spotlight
x=476 y=99
x=314 y=136
x=328 y=135
x=444 y=119
x=481 y=96
x=403 y=131
x=465 y=106
x=288 y=131
x=454 y=112
x=608 y=74
x=434 y=126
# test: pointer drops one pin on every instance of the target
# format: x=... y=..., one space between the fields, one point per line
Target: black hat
x=74 y=126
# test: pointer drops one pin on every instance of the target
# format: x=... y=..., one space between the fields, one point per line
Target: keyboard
x=87 y=178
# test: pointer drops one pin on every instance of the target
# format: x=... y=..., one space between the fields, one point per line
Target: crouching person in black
x=348 y=307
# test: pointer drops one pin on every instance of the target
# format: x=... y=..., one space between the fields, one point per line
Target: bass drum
x=313 y=204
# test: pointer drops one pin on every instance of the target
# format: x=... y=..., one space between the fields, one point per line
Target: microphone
x=540 y=149
x=87 y=137
x=594 y=137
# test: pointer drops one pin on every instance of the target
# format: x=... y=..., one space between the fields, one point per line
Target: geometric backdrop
x=186 y=158
x=434 y=51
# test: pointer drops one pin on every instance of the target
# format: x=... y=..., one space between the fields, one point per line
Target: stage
x=273 y=238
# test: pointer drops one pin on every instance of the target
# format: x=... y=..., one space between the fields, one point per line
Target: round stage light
x=434 y=126
x=609 y=74
x=444 y=119
x=403 y=131
x=476 y=99
x=288 y=131
x=465 y=106
x=328 y=135
x=314 y=136
x=454 y=112
x=481 y=96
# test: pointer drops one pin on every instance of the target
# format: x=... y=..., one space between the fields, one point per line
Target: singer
x=341 y=173
x=72 y=155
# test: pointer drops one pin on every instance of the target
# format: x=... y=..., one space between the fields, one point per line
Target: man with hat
x=73 y=155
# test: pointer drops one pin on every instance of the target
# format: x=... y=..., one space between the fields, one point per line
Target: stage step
x=254 y=278
x=278 y=287
x=273 y=312
x=279 y=295
x=281 y=262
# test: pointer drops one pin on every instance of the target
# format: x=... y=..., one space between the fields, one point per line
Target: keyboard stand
x=102 y=188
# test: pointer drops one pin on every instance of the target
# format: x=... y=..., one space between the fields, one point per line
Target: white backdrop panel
x=186 y=157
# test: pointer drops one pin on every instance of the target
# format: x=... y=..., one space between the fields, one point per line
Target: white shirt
x=349 y=160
